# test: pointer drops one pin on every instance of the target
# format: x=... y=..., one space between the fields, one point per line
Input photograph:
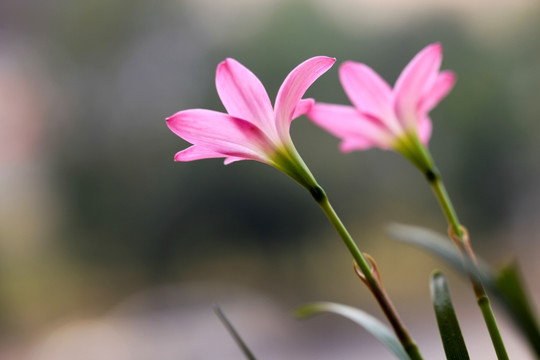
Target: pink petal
x=196 y=153
x=441 y=87
x=349 y=124
x=366 y=89
x=349 y=145
x=232 y=159
x=215 y=132
x=303 y=107
x=243 y=95
x=418 y=75
x=294 y=87
x=424 y=129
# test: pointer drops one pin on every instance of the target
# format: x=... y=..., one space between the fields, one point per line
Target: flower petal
x=294 y=87
x=215 y=132
x=232 y=159
x=417 y=76
x=424 y=129
x=303 y=107
x=350 y=145
x=366 y=89
x=243 y=94
x=350 y=125
x=196 y=153
x=441 y=87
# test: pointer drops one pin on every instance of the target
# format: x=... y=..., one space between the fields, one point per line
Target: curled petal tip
x=304 y=106
x=436 y=47
x=221 y=65
x=452 y=76
x=333 y=59
x=330 y=60
x=432 y=51
x=224 y=63
x=446 y=77
x=228 y=60
x=169 y=120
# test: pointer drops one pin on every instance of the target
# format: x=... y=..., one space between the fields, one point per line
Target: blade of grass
x=232 y=331
x=514 y=294
x=439 y=245
x=451 y=336
x=368 y=322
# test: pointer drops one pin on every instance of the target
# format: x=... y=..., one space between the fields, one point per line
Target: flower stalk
x=412 y=148
x=460 y=236
x=419 y=155
x=368 y=272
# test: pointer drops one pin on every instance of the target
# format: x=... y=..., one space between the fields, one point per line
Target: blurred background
x=110 y=250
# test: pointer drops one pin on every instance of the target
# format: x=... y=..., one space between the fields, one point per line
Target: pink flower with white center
x=384 y=117
x=251 y=129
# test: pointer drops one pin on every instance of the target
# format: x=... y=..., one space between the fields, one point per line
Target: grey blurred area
x=110 y=249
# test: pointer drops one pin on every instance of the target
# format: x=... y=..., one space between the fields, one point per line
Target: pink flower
x=251 y=129
x=384 y=117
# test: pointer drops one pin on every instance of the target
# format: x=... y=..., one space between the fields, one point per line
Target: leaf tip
x=305 y=311
x=438 y=281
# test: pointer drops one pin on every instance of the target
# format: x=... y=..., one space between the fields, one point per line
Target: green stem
x=380 y=294
x=289 y=161
x=435 y=180
x=491 y=322
x=446 y=205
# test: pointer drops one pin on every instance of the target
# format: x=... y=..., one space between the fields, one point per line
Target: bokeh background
x=110 y=250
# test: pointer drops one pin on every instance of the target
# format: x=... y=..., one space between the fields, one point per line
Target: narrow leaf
x=241 y=344
x=514 y=295
x=440 y=246
x=452 y=339
x=368 y=322
x=506 y=285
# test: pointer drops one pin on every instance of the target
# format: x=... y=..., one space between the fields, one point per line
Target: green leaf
x=441 y=246
x=241 y=344
x=368 y=322
x=513 y=293
x=506 y=285
x=452 y=339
